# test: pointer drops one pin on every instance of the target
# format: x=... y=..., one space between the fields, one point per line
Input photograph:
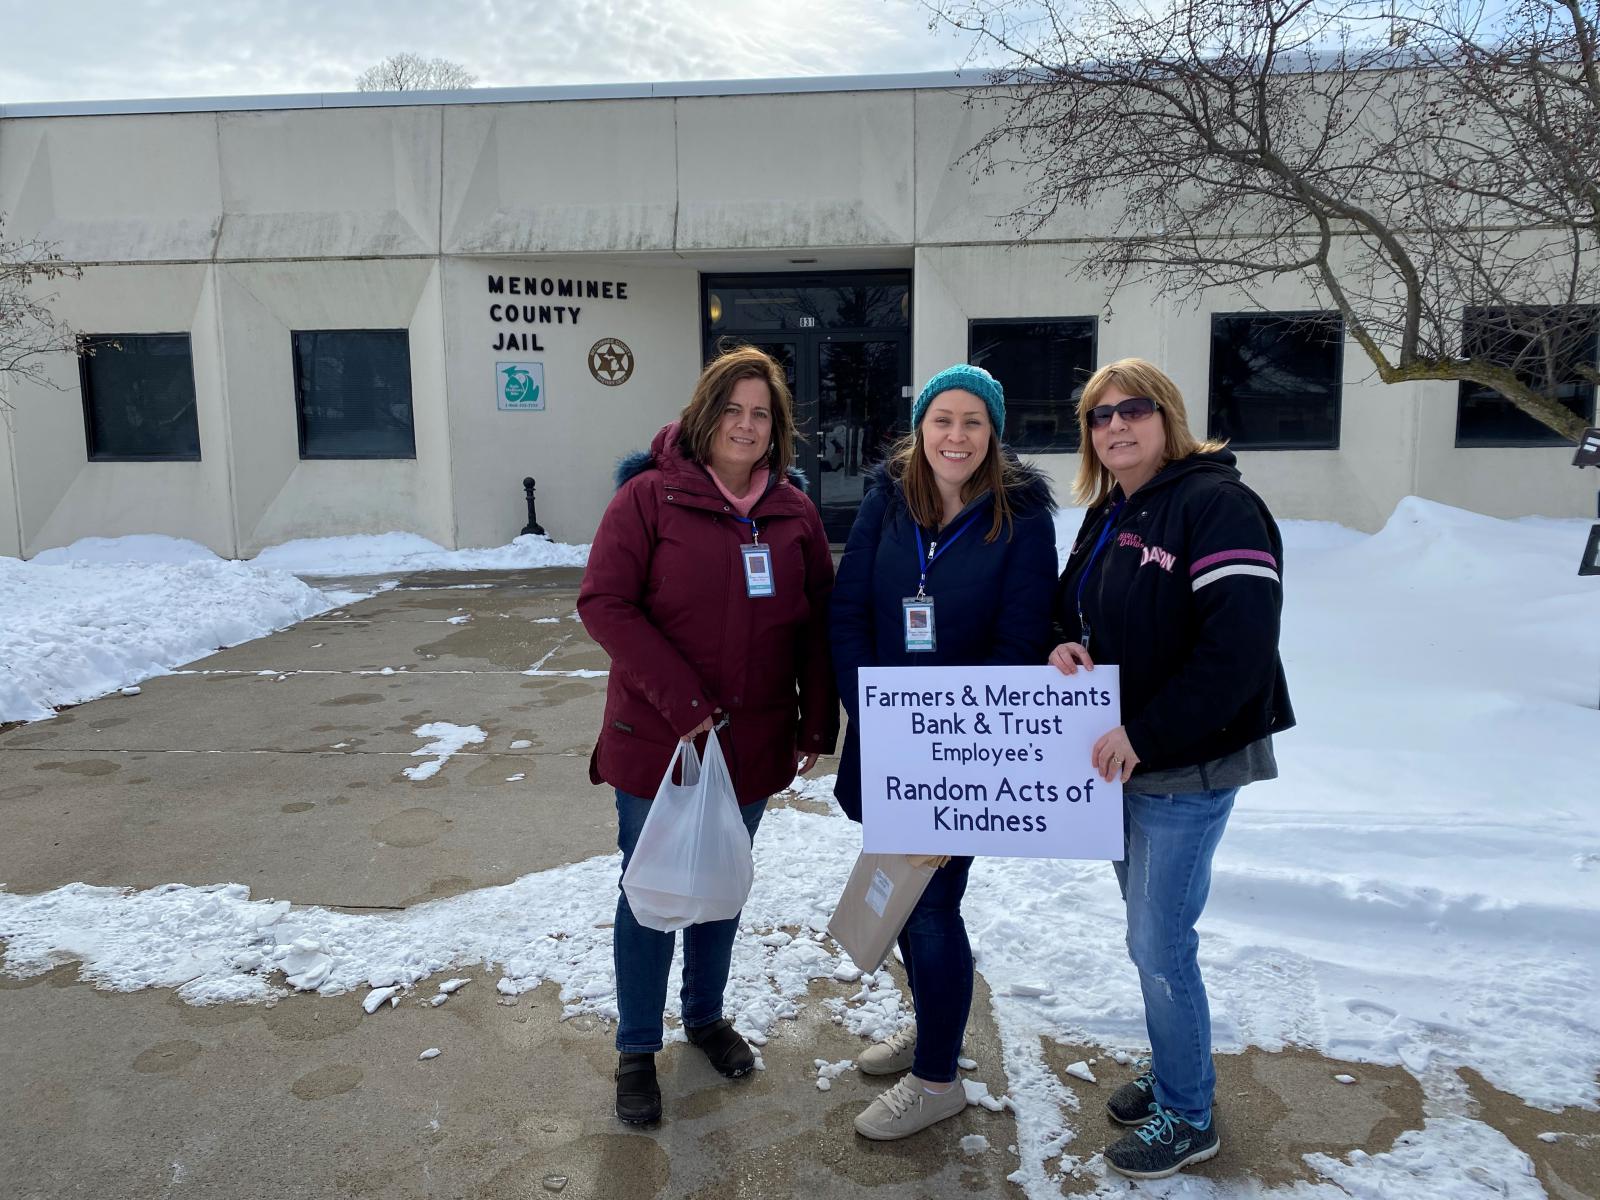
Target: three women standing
x=951 y=562
x=1174 y=577
x=708 y=585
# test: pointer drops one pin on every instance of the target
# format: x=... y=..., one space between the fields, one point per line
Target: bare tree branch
x=1408 y=164
x=29 y=332
x=412 y=73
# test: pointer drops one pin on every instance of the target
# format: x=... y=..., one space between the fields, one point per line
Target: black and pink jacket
x=1186 y=597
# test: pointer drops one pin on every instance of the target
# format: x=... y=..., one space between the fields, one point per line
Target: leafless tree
x=29 y=332
x=1430 y=171
x=413 y=73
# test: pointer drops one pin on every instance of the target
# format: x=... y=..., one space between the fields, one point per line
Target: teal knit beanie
x=969 y=379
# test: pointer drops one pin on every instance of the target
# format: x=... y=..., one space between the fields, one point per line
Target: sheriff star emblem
x=610 y=361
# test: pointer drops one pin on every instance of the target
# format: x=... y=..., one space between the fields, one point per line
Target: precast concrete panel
x=1502 y=481
x=957 y=200
x=341 y=183
x=562 y=177
x=278 y=496
x=113 y=188
x=63 y=495
x=609 y=378
x=812 y=171
x=10 y=532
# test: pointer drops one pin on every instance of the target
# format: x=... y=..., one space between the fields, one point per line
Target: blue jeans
x=1165 y=877
x=938 y=961
x=644 y=956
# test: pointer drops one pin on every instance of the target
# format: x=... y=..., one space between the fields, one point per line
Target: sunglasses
x=1134 y=408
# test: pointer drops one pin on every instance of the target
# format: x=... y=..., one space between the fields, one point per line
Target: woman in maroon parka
x=708 y=586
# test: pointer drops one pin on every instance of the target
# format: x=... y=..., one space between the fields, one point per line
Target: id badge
x=918 y=622
x=758 y=580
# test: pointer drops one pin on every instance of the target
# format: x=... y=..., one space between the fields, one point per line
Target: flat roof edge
x=511 y=95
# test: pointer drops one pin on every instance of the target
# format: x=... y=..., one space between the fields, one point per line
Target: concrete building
x=321 y=315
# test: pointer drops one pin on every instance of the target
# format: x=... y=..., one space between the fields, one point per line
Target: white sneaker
x=908 y=1108
x=891 y=1056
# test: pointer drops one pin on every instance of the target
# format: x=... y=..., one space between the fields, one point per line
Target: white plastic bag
x=692 y=862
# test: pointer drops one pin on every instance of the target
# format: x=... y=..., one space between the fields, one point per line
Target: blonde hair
x=1136 y=377
x=700 y=417
x=909 y=466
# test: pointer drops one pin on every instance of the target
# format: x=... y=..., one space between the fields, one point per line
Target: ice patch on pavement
x=448 y=741
x=827 y=1071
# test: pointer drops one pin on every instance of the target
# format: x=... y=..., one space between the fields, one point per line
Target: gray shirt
x=1250 y=765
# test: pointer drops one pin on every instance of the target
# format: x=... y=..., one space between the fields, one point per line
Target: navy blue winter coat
x=991 y=599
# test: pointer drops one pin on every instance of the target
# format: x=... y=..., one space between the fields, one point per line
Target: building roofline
x=513 y=95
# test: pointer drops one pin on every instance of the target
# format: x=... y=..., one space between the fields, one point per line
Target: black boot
x=728 y=1052
x=638 y=1094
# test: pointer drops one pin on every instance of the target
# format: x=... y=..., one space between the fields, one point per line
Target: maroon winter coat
x=664 y=594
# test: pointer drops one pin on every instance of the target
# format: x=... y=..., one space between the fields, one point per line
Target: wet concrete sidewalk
x=278 y=764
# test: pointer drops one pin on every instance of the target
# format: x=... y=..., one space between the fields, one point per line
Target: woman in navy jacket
x=953 y=517
x=1174 y=577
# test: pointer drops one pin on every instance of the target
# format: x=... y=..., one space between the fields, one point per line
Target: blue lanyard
x=935 y=551
x=755 y=530
x=1088 y=568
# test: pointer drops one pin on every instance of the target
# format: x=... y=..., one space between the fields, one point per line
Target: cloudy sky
x=123 y=49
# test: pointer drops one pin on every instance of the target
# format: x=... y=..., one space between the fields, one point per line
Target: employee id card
x=758 y=580
x=918 y=623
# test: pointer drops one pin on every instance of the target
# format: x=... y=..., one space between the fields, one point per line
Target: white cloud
x=101 y=50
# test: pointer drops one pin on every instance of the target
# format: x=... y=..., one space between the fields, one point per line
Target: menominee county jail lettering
x=543 y=287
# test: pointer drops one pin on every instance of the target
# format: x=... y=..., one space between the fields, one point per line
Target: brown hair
x=1138 y=378
x=700 y=417
x=908 y=466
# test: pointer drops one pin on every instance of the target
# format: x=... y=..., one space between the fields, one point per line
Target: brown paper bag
x=877 y=900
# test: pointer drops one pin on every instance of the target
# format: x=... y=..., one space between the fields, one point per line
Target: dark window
x=1275 y=380
x=753 y=303
x=352 y=391
x=138 y=397
x=1042 y=365
x=1544 y=347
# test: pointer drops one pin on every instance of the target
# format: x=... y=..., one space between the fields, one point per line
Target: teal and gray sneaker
x=1163 y=1146
x=1134 y=1101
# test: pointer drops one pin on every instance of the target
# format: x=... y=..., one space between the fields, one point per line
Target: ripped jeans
x=1165 y=877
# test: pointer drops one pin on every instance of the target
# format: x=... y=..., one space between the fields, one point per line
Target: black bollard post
x=533 y=525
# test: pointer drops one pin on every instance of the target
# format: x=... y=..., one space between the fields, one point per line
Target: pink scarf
x=758 y=486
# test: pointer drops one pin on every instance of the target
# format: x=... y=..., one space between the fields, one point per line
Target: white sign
x=519 y=386
x=988 y=760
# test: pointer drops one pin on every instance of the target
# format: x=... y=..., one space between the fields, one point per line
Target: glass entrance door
x=845 y=343
x=859 y=415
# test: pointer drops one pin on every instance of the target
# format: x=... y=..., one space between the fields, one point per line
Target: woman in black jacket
x=951 y=562
x=1173 y=577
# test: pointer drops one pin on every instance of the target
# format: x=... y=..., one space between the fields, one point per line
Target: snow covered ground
x=394 y=553
x=104 y=613
x=1421 y=887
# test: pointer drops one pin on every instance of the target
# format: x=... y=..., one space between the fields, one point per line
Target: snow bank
x=75 y=631
x=388 y=553
x=134 y=548
x=83 y=620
